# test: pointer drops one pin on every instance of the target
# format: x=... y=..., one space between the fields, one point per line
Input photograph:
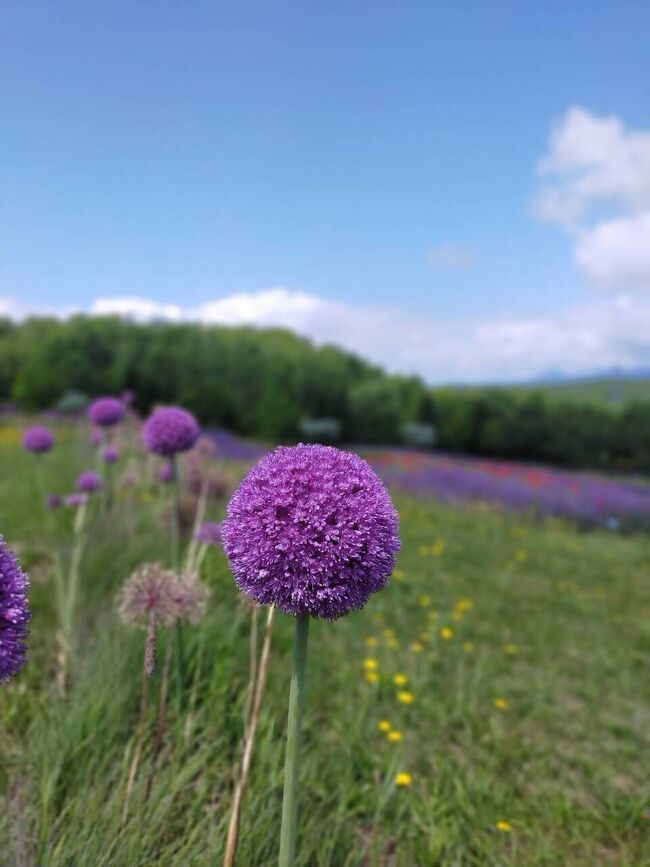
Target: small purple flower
x=209 y=533
x=76 y=500
x=38 y=439
x=96 y=436
x=170 y=430
x=88 y=482
x=311 y=529
x=127 y=397
x=110 y=455
x=166 y=473
x=14 y=614
x=106 y=411
x=54 y=501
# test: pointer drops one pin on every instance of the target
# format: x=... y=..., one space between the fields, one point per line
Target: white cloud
x=136 y=308
x=451 y=256
x=617 y=252
x=607 y=333
x=597 y=187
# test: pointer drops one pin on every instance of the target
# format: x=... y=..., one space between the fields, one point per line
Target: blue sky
x=365 y=172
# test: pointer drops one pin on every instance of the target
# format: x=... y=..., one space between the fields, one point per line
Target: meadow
x=486 y=708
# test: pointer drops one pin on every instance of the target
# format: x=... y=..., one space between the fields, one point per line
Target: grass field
x=525 y=646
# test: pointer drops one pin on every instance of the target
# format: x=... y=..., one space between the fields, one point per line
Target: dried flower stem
x=160 y=724
x=144 y=706
x=292 y=759
x=249 y=742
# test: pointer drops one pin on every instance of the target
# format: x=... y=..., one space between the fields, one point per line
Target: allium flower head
x=88 y=482
x=150 y=593
x=75 y=500
x=110 y=455
x=170 y=430
x=54 y=501
x=313 y=530
x=38 y=439
x=209 y=533
x=14 y=614
x=191 y=596
x=106 y=411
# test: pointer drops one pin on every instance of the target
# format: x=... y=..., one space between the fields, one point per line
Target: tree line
x=271 y=383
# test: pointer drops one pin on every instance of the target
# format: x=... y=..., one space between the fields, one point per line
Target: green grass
x=565 y=763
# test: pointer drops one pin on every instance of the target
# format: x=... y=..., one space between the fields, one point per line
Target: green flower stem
x=175 y=517
x=292 y=760
x=176 y=561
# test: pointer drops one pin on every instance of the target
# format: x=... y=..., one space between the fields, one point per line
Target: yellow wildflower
x=468 y=646
x=501 y=703
x=446 y=633
x=395 y=737
x=370 y=664
x=383 y=725
x=511 y=649
x=405 y=697
x=400 y=680
x=417 y=647
x=403 y=779
x=372 y=676
x=371 y=641
x=506 y=827
x=425 y=601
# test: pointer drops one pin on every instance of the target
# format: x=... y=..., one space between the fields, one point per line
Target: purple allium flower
x=106 y=411
x=54 y=501
x=209 y=533
x=166 y=473
x=150 y=593
x=313 y=530
x=38 y=439
x=88 y=482
x=170 y=430
x=96 y=436
x=75 y=500
x=110 y=454
x=14 y=614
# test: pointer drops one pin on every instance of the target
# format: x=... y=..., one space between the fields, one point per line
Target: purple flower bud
x=110 y=455
x=76 y=500
x=38 y=439
x=54 y=501
x=170 y=430
x=311 y=529
x=106 y=411
x=209 y=533
x=166 y=473
x=96 y=436
x=14 y=614
x=88 y=482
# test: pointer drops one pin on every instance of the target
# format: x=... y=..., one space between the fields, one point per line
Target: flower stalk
x=294 y=727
